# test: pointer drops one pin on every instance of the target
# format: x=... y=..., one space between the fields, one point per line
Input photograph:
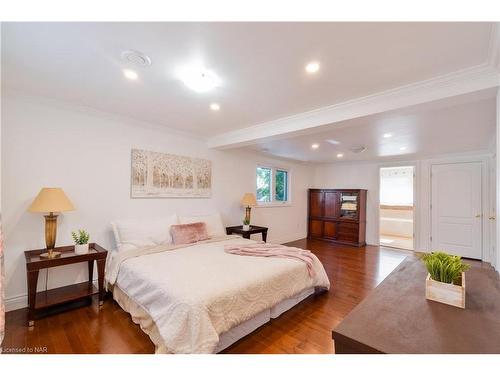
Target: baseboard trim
x=16 y=302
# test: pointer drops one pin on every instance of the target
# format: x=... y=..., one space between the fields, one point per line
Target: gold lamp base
x=248 y=209
x=50 y=236
x=50 y=254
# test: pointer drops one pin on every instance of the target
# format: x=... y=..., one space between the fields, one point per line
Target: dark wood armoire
x=337 y=215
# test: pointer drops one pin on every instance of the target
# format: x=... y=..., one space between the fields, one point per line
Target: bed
x=197 y=298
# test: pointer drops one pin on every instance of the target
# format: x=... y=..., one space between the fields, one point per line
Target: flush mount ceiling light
x=312 y=67
x=340 y=155
x=198 y=78
x=214 y=107
x=136 y=58
x=402 y=148
x=387 y=135
x=130 y=74
x=333 y=141
x=315 y=145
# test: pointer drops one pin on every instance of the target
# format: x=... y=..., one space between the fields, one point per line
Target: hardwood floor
x=306 y=328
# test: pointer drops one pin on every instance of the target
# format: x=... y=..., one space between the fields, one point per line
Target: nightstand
x=246 y=233
x=70 y=293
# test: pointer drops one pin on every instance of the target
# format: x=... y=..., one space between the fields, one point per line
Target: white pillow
x=135 y=233
x=215 y=228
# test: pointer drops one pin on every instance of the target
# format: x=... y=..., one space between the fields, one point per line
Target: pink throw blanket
x=276 y=251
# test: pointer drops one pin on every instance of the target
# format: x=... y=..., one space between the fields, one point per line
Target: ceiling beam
x=468 y=80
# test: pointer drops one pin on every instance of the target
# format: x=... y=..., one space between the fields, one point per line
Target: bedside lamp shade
x=51 y=200
x=248 y=200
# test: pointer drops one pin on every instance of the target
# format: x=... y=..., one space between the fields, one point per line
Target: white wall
x=364 y=175
x=87 y=153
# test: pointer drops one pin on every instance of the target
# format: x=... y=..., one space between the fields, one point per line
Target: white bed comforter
x=195 y=293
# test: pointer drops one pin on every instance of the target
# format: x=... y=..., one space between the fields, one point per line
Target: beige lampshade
x=248 y=200
x=51 y=200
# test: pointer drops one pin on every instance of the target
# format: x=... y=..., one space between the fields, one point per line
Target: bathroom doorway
x=396 y=225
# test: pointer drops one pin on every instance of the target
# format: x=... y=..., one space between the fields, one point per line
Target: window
x=264 y=184
x=272 y=185
x=281 y=186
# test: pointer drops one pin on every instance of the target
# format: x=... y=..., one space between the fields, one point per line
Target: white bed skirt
x=141 y=317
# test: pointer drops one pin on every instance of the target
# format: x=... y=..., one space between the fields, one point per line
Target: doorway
x=396 y=223
x=456 y=209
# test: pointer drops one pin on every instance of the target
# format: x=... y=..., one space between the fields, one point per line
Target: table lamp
x=248 y=201
x=51 y=200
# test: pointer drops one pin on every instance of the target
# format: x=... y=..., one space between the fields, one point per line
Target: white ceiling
x=261 y=66
x=457 y=125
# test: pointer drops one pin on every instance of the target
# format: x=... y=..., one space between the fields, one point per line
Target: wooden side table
x=246 y=233
x=70 y=293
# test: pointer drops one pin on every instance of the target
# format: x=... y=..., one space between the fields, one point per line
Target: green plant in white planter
x=81 y=241
x=246 y=224
x=445 y=281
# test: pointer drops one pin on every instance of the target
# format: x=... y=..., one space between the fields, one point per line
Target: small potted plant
x=246 y=224
x=81 y=241
x=445 y=281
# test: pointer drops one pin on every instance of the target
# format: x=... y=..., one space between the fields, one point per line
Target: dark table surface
x=397 y=318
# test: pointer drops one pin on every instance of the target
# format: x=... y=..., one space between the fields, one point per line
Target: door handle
x=492 y=218
x=478 y=215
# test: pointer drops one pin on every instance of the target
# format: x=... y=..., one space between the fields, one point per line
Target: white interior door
x=456 y=209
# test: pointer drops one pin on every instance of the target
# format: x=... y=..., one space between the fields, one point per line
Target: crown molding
x=468 y=80
x=9 y=93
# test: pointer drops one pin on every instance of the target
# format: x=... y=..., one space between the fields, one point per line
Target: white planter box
x=81 y=249
x=449 y=294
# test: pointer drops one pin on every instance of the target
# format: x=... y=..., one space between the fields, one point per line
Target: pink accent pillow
x=188 y=233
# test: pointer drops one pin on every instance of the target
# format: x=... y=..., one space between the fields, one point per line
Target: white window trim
x=274 y=203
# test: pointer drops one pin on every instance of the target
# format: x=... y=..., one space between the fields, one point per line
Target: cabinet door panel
x=330 y=230
x=331 y=204
x=316 y=203
x=315 y=228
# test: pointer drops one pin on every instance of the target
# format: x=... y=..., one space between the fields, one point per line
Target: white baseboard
x=16 y=302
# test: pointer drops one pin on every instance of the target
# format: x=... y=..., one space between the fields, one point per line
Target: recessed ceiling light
x=387 y=135
x=130 y=74
x=198 y=78
x=340 y=155
x=402 y=148
x=315 y=145
x=312 y=67
x=214 y=107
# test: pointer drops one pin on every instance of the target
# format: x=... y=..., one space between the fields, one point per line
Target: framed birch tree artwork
x=160 y=175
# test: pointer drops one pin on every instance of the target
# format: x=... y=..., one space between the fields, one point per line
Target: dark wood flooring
x=306 y=328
